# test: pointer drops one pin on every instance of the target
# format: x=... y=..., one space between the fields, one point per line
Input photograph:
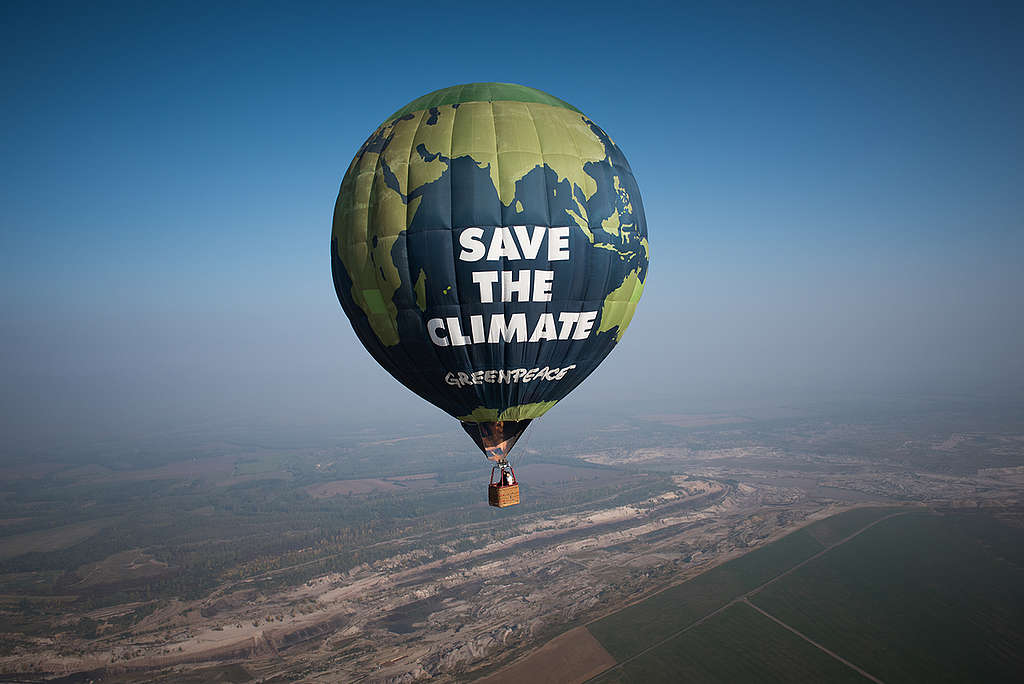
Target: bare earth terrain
x=573 y=657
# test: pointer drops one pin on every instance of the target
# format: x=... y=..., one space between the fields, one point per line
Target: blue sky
x=833 y=194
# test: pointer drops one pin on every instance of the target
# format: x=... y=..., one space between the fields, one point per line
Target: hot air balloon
x=489 y=247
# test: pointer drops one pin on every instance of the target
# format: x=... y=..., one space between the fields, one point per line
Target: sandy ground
x=569 y=658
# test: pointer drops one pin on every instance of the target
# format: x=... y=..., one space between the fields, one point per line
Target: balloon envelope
x=489 y=247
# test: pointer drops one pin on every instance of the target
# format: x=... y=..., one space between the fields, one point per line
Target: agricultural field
x=737 y=645
x=917 y=598
x=914 y=596
x=635 y=628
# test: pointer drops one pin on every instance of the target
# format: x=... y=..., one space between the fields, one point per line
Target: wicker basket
x=503 y=495
x=504 y=488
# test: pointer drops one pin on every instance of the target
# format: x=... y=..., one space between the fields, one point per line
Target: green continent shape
x=374 y=276
x=481 y=92
x=420 y=288
x=620 y=305
x=374 y=208
x=482 y=414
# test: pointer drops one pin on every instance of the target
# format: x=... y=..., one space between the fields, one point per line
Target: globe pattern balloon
x=489 y=247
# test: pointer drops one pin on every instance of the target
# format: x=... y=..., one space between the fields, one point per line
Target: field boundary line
x=746 y=595
x=814 y=643
x=822 y=553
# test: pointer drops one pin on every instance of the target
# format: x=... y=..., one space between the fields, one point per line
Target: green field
x=635 y=628
x=737 y=645
x=915 y=597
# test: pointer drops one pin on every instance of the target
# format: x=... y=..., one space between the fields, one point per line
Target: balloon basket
x=503 y=491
